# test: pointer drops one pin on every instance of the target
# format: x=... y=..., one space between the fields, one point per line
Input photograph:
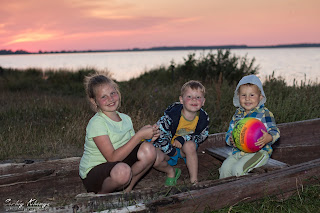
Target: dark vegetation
x=165 y=48
x=44 y=113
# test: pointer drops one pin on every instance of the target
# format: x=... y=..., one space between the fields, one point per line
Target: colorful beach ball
x=246 y=133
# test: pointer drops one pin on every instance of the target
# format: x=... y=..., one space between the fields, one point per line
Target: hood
x=250 y=79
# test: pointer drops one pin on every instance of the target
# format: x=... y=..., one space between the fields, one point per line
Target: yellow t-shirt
x=185 y=127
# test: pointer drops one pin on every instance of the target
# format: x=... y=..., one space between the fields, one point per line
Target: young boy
x=183 y=127
x=249 y=97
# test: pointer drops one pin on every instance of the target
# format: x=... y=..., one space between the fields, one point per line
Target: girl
x=114 y=157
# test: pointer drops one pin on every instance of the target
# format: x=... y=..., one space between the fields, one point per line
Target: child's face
x=107 y=98
x=249 y=97
x=192 y=100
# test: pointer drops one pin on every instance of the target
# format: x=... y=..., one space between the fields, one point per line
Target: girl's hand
x=156 y=132
x=266 y=138
x=145 y=132
x=149 y=132
x=177 y=144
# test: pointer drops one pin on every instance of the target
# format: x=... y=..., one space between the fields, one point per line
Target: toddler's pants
x=242 y=163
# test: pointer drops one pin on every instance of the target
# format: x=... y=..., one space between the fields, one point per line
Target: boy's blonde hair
x=91 y=82
x=194 y=85
x=250 y=85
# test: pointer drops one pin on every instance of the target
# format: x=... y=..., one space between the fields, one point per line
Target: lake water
x=290 y=63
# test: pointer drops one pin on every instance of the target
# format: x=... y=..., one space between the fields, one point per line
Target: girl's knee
x=147 y=152
x=121 y=173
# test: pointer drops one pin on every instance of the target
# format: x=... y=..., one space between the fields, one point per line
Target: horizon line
x=168 y=48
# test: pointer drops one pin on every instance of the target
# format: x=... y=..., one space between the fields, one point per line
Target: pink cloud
x=111 y=24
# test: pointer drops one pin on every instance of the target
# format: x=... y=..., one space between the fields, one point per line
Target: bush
x=216 y=66
x=46 y=113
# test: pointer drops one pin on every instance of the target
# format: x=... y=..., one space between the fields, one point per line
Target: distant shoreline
x=165 y=48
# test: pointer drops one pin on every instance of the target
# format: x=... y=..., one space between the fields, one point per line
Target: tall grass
x=44 y=113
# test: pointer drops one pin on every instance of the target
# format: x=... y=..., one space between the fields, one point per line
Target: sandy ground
x=208 y=170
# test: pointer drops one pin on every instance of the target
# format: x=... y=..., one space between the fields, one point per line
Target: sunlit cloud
x=2 y=29
x=31 y=36
x=79 y=24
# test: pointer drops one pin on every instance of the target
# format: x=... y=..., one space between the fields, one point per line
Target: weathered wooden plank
x=299 y=132
x=25 y=176
x=90 y=202
x=60 y=184
x=297 y=154
x=299 y=142
x=245 y=189
x=50 y=178
x=222 y=153
x=58 y=164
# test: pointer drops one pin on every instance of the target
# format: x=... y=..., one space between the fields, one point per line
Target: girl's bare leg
x=146 y=158
x=162 y=165
x=120 y=176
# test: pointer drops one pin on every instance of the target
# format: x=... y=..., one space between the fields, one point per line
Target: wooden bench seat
x=221 y=153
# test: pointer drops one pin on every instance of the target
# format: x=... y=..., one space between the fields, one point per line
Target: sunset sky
x=55 y=25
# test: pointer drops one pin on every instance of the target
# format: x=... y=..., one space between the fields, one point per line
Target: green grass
x=44 y=113
x=303 y=200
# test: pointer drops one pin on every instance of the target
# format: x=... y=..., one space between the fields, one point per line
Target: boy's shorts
x=174 y=159
x=94 y=180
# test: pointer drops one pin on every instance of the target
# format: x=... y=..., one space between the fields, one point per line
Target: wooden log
x=245 y=189
x=58 y=164
x=55 y=178
x=25 y=176
x=58 y=185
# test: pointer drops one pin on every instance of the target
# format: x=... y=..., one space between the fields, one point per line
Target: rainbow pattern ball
x=246 y=133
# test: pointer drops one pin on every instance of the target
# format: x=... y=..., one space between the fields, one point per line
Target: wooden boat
x=295 y=163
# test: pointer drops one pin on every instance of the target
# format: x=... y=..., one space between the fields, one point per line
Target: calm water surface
x=290 y=63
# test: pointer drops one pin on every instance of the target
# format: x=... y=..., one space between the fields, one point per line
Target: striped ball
x=246 y=133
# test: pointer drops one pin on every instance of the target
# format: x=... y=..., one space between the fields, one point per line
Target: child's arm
x=272 y=134
x=177 y=144
x=229 y=139
x=199 y=138
x=201 y=133
x=106 y=148
x=164 y=140
x=266 y=138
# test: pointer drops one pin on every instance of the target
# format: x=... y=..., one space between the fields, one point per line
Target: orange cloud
x=82 y=24
x=31 y=36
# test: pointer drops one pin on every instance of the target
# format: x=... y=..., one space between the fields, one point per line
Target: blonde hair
x=194 y=85
x=91 y=82
x=249 y=85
